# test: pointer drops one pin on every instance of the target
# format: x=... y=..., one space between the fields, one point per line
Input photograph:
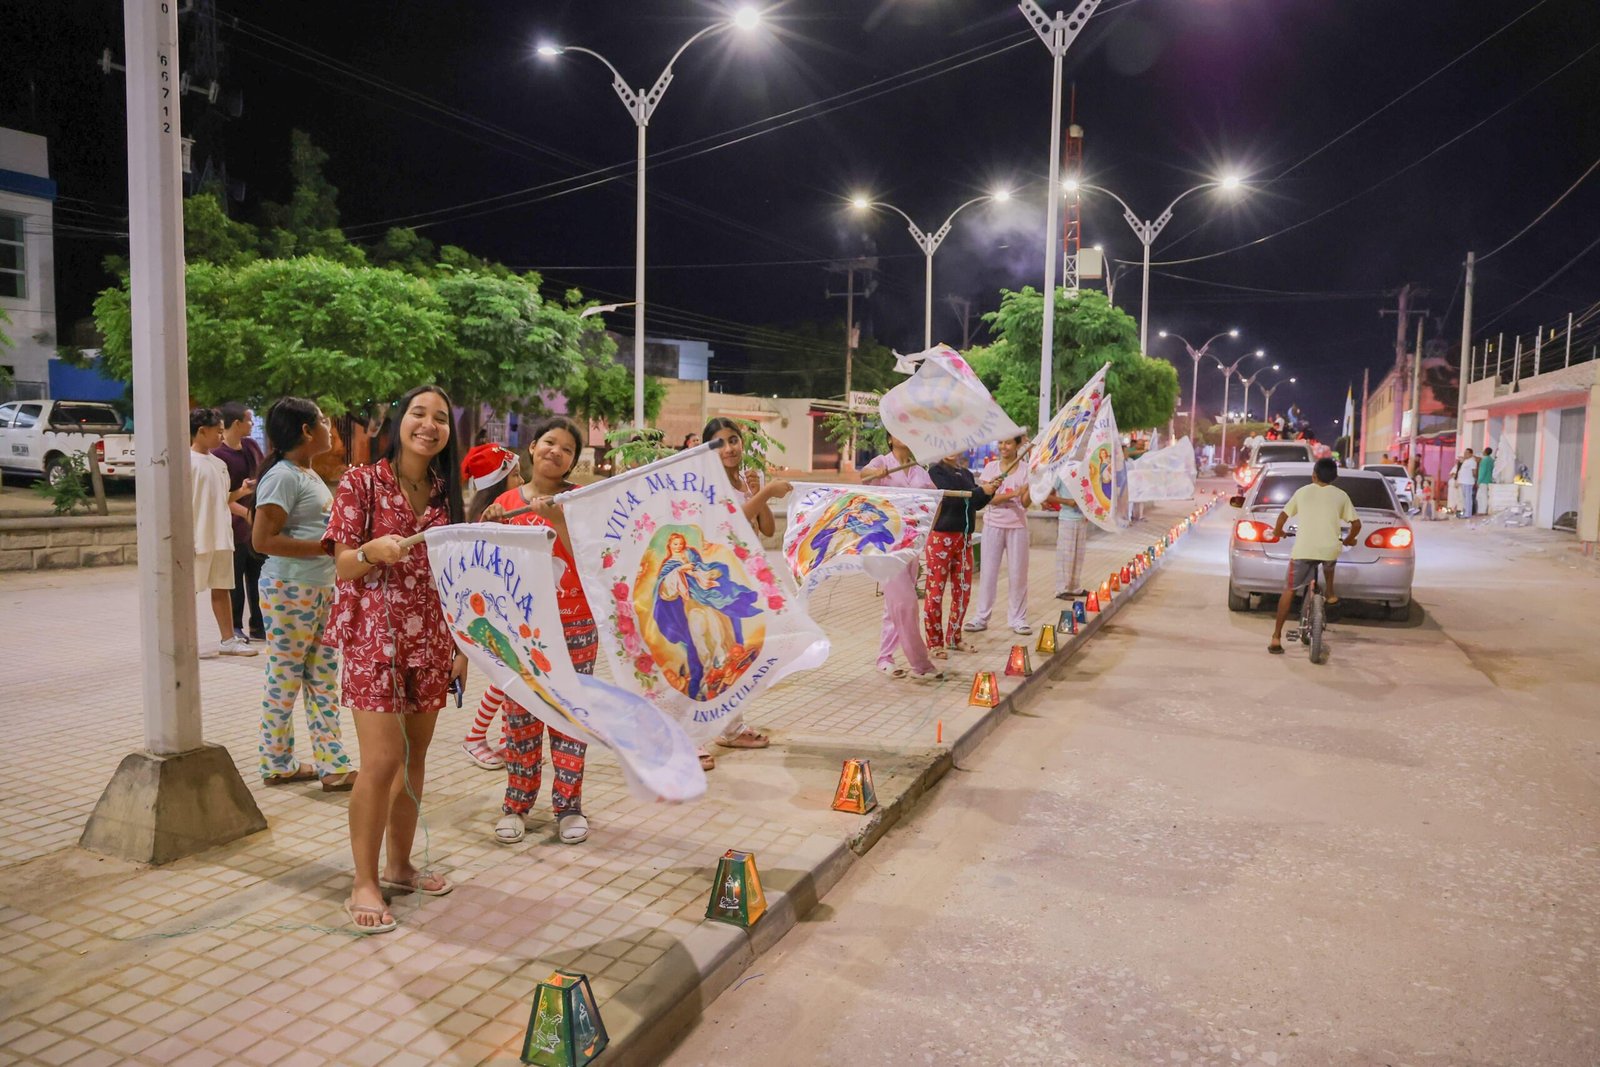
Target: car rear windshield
x=1363 y=492
x=1388 y=470
x=1282 y=454
x=92 y=418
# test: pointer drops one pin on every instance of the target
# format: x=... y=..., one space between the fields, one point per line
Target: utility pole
x=868 y=266
x=178 y=795
x=1402 y=315
x=1416 y=399
x=1466 y=355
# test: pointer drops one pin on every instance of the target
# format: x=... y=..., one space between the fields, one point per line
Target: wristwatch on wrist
x=361 y=556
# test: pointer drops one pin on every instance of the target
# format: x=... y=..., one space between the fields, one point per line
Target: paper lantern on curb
x=1047 y=640
x=564 y=1029
x=1018 y=665
x=1066 y=622
x=736 y=895
x=985 y=691
x=1092 y=604
x=1127 y=573
x=855 y=793
x=1105 y=595
x=1080 y=614
x=1115 y=581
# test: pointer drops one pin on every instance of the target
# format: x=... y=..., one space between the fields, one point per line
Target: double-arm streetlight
x=1228 y=371
x=1196 y=354
x=1248 y=382
x=1266 y=396
x=641 y=104
x=1148 y=231
x=929 y=243
x=1057 y=31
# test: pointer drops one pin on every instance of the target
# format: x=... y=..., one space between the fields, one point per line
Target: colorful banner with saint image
x=1063 y=440
x=943 y=408
x=690 y=611
x=497 y=586
x=848 y=529
x=1099 y=480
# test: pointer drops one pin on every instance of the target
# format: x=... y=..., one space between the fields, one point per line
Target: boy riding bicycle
x=1322 y=508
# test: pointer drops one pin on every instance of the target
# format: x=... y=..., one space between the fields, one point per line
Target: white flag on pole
x=943 y=408
x=845 y=529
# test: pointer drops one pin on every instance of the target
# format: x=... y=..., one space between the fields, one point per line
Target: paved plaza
x=243 y=955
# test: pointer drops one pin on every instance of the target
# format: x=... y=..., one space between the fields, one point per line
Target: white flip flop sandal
x=572 y=829
x=509 y=830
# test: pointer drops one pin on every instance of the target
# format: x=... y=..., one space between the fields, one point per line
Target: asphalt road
x=1194 y=853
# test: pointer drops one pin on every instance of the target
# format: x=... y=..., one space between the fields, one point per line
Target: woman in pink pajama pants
x=1005 y=537
x=902 y=627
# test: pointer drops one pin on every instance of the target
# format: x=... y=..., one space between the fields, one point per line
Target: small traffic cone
x=855 y=793
x=1018 y=665
x=1093 y=604
x=1047 y=640
x=985 y=691
x=736 y=895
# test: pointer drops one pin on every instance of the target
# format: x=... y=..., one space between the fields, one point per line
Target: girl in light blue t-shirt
x=292 y=505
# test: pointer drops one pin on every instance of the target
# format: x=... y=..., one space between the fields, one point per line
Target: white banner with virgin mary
x=943 y=408
x=690 y=611
x=1098 y=480
x=497 y=587
x=1063 y=440
x=1163 y=474
x=846 y=529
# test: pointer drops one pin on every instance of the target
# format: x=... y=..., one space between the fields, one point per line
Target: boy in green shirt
x=1322 y=508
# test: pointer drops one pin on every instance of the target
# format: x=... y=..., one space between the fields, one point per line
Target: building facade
x=27 y=261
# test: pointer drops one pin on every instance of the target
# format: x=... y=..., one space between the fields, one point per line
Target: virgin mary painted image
x=854 y=525
x=704 y=613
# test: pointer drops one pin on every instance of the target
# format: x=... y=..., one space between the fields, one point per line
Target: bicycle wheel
x=1319 y=618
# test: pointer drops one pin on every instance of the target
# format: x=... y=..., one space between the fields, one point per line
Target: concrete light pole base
x=157 y=809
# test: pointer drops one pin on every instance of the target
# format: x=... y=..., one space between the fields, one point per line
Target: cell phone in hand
x=459 y=689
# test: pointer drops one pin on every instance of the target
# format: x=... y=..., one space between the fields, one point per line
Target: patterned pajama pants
x=949 y=562
x=1072 y=535
x=525 y=757
x=298 y=661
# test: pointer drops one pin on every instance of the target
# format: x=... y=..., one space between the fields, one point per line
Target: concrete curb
x=646 y=1019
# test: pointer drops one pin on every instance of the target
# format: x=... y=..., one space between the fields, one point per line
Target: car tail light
x=1250 y=530
x=1410 y=488
x=1390 y=537
x=100 y=450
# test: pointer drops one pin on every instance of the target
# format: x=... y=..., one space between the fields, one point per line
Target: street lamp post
x=929 y=243
x=641 y=104
x=1057 y=33
x=1228 y=371
x=1196 y=354
x=1248 y=382
x=1266 y=396
x=1148 y=231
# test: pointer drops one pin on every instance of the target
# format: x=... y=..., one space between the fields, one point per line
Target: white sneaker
x=1023 y=630
x=235 y=646
x=975 y=627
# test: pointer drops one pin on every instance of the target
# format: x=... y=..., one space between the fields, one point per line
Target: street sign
x=858 y=400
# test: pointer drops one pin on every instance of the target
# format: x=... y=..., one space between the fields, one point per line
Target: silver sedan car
x=1378 y=567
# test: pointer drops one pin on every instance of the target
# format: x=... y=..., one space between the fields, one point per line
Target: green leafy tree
x=1089 y=332
x=309 y=223
x=601 y=390
x=5 y=343
x=346 y=336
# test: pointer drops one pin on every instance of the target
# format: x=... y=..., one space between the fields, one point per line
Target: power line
x=1403 y=170
x=1545 y=212
x=1498 y=315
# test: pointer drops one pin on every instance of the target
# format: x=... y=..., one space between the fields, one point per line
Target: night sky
x=425 y=107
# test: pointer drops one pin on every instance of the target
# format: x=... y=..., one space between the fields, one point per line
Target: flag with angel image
x=497 y=586
x=849 y=529
x=691 y=613
x=1098 y=477
x=1065 y=439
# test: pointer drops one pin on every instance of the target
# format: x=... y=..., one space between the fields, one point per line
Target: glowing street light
x=1197 y=354
x=1147 y=231
x=1266 y=393
x=929 y=243
x=1251 y=381
x=641 y=104
x=1228 y=371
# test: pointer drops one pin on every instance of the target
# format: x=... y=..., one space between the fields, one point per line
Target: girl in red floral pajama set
x=399 y=659
x=948 y=556
x=556 y=445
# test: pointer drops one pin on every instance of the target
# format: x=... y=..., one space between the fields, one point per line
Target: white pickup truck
x=36 y=435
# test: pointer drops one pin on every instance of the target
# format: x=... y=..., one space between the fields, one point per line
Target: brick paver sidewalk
x=242 y=955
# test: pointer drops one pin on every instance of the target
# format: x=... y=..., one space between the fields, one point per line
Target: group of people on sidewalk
x=348 y=612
